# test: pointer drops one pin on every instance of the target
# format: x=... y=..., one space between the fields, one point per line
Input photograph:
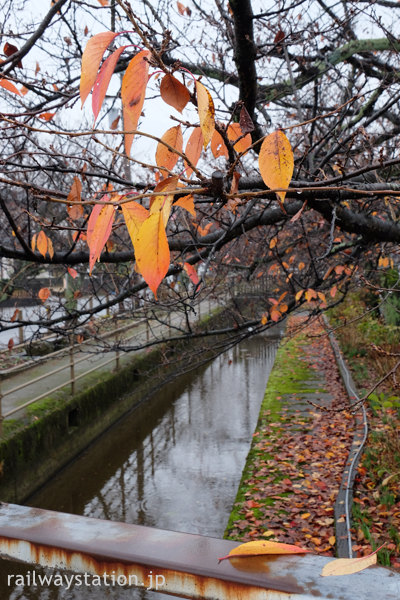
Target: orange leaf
x=91 y=59
x=164 y=156
x=218 y=147
x=187 y=203
x=234 y=132
x=114 y=124
x=75 y=211
x=72 y=272
x=152 y=251
x=134 y=214
x=192 y=273
x=262 y=547
x=133 y=91
x=164 y=203
x=9 y=86
x=275 y=315
x=194 y=148
x=181 y=8
x=103 y=2
x=47 y=116
x=10 y=344
x=174 y=93
x=205 y=107
x=99 y=229
x=332 y=291
x=276 y=162
x=41 y=243
x=43 y=294
x=103 y=79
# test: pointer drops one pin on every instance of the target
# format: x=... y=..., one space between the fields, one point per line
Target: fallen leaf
x=348 y=566
x=261 y=547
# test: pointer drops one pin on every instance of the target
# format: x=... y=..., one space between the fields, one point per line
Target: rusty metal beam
x=175 y=563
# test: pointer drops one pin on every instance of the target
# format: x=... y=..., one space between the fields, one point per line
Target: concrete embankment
x=61 y=427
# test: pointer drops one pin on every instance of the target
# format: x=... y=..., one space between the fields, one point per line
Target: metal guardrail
x=186 y=565
x=71 y=365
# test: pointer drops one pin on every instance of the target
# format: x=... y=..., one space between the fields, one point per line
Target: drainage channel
x=175 y=464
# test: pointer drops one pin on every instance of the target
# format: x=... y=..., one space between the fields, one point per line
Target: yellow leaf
x=299 y=295
x=276 y=162
x=134 y=214
x=262 y=547
x=164 y=156
x=205 y=106
x=305 y=515
x=99 y=229
x=174 y=93
x=91 y=59
x=348 y=566
x=152 y=251
x=187 y=203
x=193 y=149
x=133 y=91
x=332 y=540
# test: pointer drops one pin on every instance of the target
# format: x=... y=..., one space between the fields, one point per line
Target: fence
x=72 y=350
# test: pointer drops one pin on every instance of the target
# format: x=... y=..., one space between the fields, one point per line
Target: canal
x=173 y=464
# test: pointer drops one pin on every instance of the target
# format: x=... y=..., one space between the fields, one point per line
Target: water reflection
x=173 y=464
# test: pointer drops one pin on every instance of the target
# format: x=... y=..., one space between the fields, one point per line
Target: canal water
x=173 y=464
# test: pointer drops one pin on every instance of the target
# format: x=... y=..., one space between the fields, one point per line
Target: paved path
x=89 y=355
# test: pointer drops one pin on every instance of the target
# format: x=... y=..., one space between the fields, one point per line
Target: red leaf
x=9 y=50
x=192 y=273
x=103 y=79
x=99 y=229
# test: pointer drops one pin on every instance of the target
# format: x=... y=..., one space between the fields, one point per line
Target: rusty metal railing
x=174 y=563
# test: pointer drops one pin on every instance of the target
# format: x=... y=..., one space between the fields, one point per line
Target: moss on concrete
x=289 y=377
x=62 y=426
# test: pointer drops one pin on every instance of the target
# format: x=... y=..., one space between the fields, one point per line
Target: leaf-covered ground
x=294 y=468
